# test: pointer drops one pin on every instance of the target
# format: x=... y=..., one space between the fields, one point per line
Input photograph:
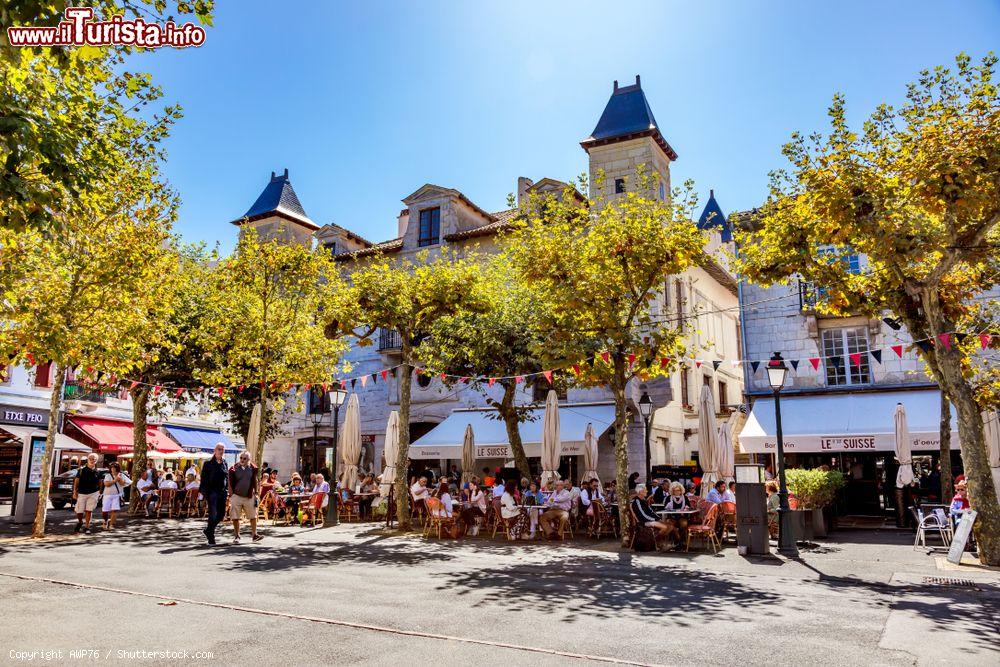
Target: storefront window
x=838 y=345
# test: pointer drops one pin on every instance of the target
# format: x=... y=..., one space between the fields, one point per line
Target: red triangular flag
x=606 y=356
x=493 y=381
x=222 y=391
x=945 y=340
x=984 y=340
x=631 y=359
x=815 y=363
x=241 y=388
x=156 y=390
x=324 y=387
x=664 y=361
x=697 y=363
x=898 y=349
x=856 y=359
x=385 y=374
x=30 y=357
x=133 y=385
x=519 y=379
x=576 y=369
x=177 y=394
x=464 y=380
x=443 y=376
x=548 y=376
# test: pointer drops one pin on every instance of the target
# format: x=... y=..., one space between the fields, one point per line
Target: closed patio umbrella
x=551 y=446
x=389 y=452
x=590 y=454
x=991 y=426
x=727 y=459
x=904 y=477
x=708 y=440
x=350 y=443
x=253 y=435
x=468 y=454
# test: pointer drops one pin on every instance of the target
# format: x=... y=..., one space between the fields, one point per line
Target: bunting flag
x=698 y=363
x=856 y=359
x=241 y=388
x=606 y=356
x=924 y=345
x=156 y=390
x=631 y=359
x=548 y=375
x=876 y=355
x=30 y=357
x=324 y=387
x=664 y=361
x=307 y=387
x=945 y=340
x=133 y=385
x=984 y=340
x=754 y=365
x=465 y=380
x=364 y=381
x=519 y=379
x=795 y=364
x=178 y=393
x=835 y=361
x=418 y=370
x=492 y=381
x=222 y=391
x=385 y=375
x=576 y=369
x=716 y=364
x=444 y=376
x=815 y=363
x=354 y=382
x=374 y=378
x=960 y=337
x=898 y=349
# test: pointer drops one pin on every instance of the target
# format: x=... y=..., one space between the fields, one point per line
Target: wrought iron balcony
x=388 y=340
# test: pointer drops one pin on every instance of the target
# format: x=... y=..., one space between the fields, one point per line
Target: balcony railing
x=809 y=296
x=388 y=339
x=76 y=392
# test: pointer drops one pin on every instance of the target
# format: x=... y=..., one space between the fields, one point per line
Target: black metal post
x=649 y=469
x=786 y=531
x=331 y=510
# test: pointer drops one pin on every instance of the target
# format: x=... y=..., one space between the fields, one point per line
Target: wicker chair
x=602 y=523
x=314 y=509
x=705 y=530
x=167 y=497
x=437 y=520
x=728 y=509
x=191 y=506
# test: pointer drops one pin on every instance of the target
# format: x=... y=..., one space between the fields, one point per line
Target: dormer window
x=619 y=186
x=331 y=247
x=430 y=227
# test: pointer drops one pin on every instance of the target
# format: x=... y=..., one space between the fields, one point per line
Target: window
x=842 y=343
x=331 y=247
x=423 y=380
x=663 y=192
x=723 y=396
x=319 y=402
x=619 y=186
x=685 y=387
x=43 y=375
x=540 y=390
x=430 y=227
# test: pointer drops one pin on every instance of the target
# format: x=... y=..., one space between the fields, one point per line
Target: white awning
x=858 y=422
x=63 y=441
x=445 y=440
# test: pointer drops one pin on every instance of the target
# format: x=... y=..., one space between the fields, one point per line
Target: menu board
x=961 y=536
x=37 y=453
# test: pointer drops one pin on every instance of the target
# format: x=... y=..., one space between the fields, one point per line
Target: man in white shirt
x=168 y=482
x=558 y=504
x=147 y=490
x=730 y=495
x=419 y=490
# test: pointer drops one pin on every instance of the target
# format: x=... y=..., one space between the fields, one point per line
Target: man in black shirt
x=86 y=489
x=214 y=488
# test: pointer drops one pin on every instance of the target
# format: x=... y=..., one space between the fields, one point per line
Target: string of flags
x=856 y=359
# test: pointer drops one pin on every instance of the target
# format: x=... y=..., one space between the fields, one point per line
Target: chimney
x=616 y=85
x=401 y=222
x=637 y=80
x=711 y=194
x=286 y=168
x=523 y=183
x=272 y=175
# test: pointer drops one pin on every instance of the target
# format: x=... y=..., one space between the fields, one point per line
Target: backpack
x=645 y=539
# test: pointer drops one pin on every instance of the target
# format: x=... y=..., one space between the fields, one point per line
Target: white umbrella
x=727 y=459
x=350 y=443
x=904 y=477
x=253 y=435
x=590 y=454
x=389 y=452
x=708 y=441
x=550 y=439
x=468 y=454
x=991 y=428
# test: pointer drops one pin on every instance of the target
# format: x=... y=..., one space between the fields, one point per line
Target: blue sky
x=366 y=102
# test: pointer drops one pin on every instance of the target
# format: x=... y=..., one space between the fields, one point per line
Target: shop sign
x=849 y=443
x=19 y=415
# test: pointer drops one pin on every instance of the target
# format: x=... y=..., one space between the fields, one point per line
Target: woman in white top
x=513 y=514
x=446 y=501
x=476 y=509
x=115 y=482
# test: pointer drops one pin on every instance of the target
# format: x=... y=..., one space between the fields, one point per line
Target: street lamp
x=337 y=396
x=646 y=410
x=776 y=372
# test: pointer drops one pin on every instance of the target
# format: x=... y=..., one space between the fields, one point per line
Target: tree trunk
x=140 y=403
x=946 y=477
x=403 y=455
x=982 y=492
x=257 y=453
x=511 y=420
x=55 y=401
x=621 y=446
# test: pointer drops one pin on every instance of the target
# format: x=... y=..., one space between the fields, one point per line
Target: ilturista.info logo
x=79 y=28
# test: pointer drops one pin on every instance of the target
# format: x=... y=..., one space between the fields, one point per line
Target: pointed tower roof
x=627 y=116
x=278 y=199
x=708 y=220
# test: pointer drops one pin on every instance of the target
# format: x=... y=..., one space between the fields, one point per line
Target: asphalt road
x=355 y=595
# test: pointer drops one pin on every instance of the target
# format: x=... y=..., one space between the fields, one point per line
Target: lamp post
x=646 y=410
x=337 y=396
x=776 y=373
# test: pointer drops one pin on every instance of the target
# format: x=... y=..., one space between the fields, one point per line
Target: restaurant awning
x=855 y=422
x=444 y=441
x=199 y=439
x=115 y=437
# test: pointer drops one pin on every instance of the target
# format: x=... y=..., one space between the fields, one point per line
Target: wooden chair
x=282 y=509
x=314 y=509
x=437 y=519
x=705 y=530
x=347 y=510
x=265 y=508
x=494 y=519
x=602 y=523
x=728 y=509
x=191 y=505
x=418 y=510
x=633 y=526
x=167 y=497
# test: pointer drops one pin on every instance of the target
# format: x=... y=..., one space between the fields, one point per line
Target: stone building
x=435 y=217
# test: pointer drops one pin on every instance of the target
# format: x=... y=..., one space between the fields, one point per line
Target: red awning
x=115 y=437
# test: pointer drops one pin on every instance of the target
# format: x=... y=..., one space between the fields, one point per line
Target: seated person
x=368 y=493
x=558 y=506
x=444 y=495
x=419 y=490
x=773 y=503
x=147 y=490
x=644 y=513
x=730 y=494
x=513 y=514
x=960 y=501
x=532 y=495
x=168 y=482
x=590 y=492
x=321 y=486
x=715 y=493
x=476 y=509
x=661 y=492
x=499 y=488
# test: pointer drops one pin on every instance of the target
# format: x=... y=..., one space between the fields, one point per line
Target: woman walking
x=115 y=482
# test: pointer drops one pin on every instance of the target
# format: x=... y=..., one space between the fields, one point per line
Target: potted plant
x=814 y=490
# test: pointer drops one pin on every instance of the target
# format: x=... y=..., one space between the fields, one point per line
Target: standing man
x=86 y=488
x=243 y=498
x=214 y=485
